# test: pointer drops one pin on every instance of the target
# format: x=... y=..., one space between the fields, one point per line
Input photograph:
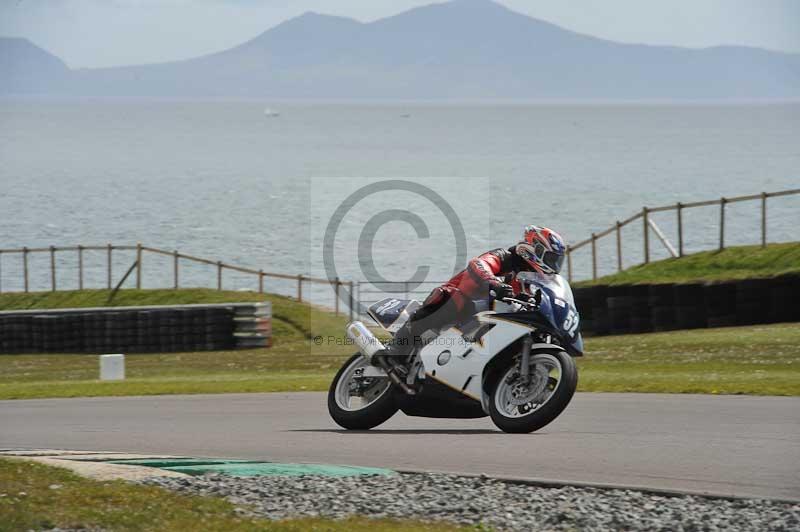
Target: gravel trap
x=480 y=500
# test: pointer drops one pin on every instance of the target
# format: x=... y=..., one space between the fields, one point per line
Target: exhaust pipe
x=365 y=341
x=369 y=346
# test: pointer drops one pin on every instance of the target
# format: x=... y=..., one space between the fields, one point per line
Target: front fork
x=525 y=360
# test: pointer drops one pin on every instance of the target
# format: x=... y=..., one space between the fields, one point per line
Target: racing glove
x=500 y=290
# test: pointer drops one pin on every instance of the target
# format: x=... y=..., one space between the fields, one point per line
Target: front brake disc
x=522 y=395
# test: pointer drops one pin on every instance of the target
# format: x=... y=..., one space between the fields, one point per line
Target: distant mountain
x=25 y=68
x=461 y=49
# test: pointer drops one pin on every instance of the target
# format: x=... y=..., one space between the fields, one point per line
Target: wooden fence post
x=350 y=297
x=679 y=209
x=336 y=291
x=219 y=275
x=108 y=252
x=260 y=281
x=594 y=256
x=646 y=229
x=300 y=288
x=176 y=280
x=569 y=264
x=358 y=298
x=619 y=247
x=763 y=219
x=80 y=267
x=722 y=202
x=138 y=266
x=25 y=267
x=52 y=268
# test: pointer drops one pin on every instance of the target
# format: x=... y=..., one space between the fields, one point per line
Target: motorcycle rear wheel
x=381 y=405
x=554 y=378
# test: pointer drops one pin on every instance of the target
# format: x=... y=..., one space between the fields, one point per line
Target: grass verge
x=37 y=497
x=755 y=360
x=738 y=262
x=759 y=360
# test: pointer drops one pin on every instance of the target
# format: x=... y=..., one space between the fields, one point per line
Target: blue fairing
x=557 y=307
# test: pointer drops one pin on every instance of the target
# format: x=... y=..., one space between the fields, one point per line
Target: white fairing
x=462 y=369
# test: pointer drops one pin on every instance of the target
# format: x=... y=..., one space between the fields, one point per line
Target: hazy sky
x=90 y=33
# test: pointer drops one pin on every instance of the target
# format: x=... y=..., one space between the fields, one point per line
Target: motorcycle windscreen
x=555 y=283
x=559 y=306
x=392 y=313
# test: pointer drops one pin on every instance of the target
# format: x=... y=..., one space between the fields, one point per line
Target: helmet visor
x=550 y=259
x=554 y=261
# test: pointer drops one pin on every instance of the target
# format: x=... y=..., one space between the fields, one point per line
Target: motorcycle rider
x=492 y=274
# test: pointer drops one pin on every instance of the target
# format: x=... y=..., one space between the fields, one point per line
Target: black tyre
x=641 y=324
x=664 y=318
x=783 y=302
x=661 y=295
x=600 y=322
x=584 y=303
x=721 y=321
x=380 y=406
x=690 y=317
x=720 y=299
x=554 y=392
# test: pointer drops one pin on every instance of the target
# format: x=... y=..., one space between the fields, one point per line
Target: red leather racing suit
x=454 y=301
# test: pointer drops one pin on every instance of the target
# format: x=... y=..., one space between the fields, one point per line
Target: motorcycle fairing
x=453 y=360
x=437 y=399
x=557 y=313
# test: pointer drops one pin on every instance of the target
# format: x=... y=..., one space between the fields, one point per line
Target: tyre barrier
x=720 y=301
x=690 y=307
x=155 y=329
x=661 y=300
x=583 y=301
x=619 y=304
x=622 y=309
x=640 y=309
x=600 y=314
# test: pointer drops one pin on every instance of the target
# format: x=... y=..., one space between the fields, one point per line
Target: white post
x=112 y=367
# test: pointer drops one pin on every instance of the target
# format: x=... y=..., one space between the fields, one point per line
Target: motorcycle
x=513 y=363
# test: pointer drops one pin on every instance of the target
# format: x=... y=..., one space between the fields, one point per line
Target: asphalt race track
x=723 y=445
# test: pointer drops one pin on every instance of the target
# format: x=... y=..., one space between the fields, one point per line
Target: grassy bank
x=763 y=360
x=738 y=262
x=125 y=298
x=38 y=497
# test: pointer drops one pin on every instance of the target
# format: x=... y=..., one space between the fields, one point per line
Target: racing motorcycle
x=513 y=363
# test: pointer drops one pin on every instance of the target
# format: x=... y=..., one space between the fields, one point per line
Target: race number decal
x=571 y=322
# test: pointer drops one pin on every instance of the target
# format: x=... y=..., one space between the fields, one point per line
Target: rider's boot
x=400 y=347
x=395 y=371
x=394 y=357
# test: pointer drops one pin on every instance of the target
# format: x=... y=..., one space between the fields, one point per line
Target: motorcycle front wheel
x=520 y=407
x=356 y=402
